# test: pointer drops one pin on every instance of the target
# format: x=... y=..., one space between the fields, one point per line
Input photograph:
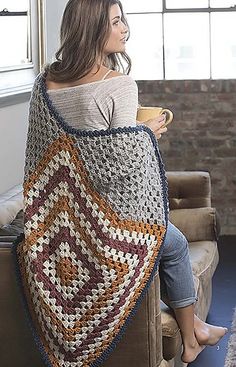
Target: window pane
x=13 y=43
x=223 y=45
x=222 y=3
x=187 y=54
x=14 y=5
x=178 y=4
x=134 y=6
x=145 y=46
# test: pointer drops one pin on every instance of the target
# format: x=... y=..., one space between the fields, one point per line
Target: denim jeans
x=177 y=286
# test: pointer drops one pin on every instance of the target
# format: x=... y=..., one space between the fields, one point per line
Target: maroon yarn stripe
x=87 y=211
x=37 y=268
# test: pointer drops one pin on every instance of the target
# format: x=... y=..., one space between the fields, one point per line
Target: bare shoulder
x=114 y=73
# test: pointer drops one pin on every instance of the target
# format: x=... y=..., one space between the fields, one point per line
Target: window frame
x=10 y=91
x=166 y=10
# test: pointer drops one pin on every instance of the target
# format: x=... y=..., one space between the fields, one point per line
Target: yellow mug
x=147 y=113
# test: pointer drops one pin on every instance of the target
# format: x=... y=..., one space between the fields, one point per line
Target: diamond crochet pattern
x=95 y=217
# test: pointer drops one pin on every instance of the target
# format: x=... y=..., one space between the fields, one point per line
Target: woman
x=86 y=88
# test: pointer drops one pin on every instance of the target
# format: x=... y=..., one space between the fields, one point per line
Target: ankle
x=191 y=351
x=190 y=343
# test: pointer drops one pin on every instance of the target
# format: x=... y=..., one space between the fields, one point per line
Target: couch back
x=191 y=189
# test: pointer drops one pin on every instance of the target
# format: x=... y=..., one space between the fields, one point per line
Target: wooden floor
x=223 y=302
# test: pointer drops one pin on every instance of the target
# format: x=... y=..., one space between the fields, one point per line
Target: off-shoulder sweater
x=103 y=104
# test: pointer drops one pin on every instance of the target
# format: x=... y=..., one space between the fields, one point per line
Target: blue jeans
x=177 y=286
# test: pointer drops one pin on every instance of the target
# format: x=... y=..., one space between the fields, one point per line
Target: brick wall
x=202 y=136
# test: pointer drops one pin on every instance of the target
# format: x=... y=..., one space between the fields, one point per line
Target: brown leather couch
x=152 y=339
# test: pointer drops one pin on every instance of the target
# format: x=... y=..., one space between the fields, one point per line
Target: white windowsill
x=16 y=86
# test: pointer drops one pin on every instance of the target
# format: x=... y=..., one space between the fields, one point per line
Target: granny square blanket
x=95 y=218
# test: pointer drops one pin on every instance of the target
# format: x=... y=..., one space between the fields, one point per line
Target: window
x=187 y=51
x=182 y=39
x=19 y=47
x=223 y=43
x=14 y=34
x=147 y=57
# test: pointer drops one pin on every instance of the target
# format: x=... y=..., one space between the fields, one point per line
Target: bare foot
x=208 y=334
x=191 y=352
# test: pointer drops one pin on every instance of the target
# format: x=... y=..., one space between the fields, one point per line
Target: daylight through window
x=182 y=39
x=15 y=34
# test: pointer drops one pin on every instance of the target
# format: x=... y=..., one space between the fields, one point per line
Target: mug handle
x=169 y=116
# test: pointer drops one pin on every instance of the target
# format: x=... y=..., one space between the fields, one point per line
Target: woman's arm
x=124 y=99
x=125 y=104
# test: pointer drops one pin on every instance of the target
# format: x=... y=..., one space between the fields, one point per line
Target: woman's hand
x=156 y=125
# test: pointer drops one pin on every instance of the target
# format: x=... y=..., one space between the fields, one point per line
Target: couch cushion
x=197 y=224
x=202 y=257
x=15 y=227
x=11 y=202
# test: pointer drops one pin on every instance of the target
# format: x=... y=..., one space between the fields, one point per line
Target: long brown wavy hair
x=85 y=29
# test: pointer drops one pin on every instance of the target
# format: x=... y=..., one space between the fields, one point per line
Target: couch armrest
x=14 y=330
x=198 y=224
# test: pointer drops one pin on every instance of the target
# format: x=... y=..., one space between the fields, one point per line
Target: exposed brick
x=225 y=86
x=202 y=136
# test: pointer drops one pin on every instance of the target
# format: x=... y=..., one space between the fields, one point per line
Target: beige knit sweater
x=103 y=104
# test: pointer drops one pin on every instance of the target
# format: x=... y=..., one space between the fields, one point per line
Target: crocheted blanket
x=95 y=217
